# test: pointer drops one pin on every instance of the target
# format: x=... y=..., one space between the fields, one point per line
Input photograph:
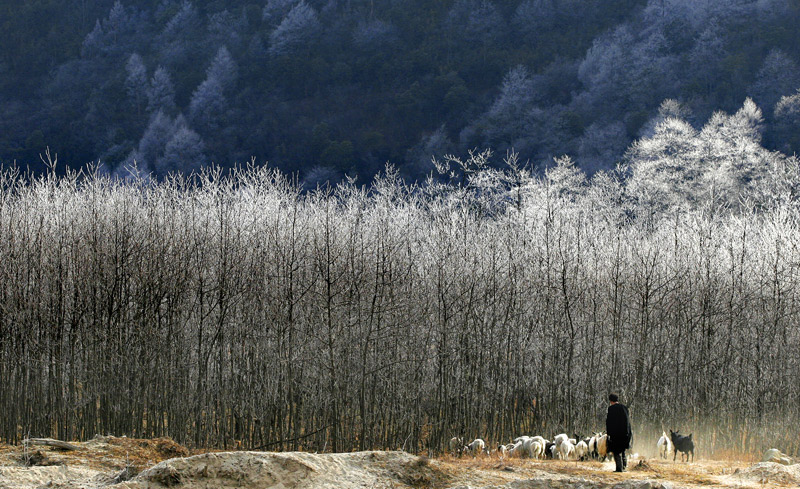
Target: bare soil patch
x=127 y=463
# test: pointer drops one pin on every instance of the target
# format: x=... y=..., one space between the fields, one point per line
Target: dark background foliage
x=333 y=87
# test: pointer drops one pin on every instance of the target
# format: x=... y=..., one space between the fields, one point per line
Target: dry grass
x=111 y=454
x=142 y=452
x=105 y=453
x=735 y=456
x=702 y=473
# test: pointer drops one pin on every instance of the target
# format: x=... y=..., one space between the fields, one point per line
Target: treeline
x=327 y=88
x=229 y=308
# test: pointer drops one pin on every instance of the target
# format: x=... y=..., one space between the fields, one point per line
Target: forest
x=323 y=89
x=346 y=224
x=233 y=308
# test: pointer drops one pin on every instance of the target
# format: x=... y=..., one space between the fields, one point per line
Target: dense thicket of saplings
x=224 y=308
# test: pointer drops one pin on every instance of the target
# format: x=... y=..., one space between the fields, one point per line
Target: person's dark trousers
x=621 y=461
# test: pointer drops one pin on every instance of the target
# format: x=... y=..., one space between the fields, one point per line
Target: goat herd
x=565 y=448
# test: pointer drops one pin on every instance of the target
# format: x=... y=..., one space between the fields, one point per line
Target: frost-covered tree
x=94 y=42
x=788 y=107
x=299 y=28
x=669 y=108
x=136 y=81
x=151 y=147
x=564 y=180
x=731 y=154
x=226 y=28
x=475 y=22
x=723 y=166
x=186 y=19
x=513 y=271
x=223 y=69
x=787 y=122
x=181 y=35
x=696 y=13
x=651 y=72
x=419 y=158
x=507 y=118
x=533 y=17
x=605 y=68
x=779 y=75
x=605 y=196
x=183 y=152
x=747 y=122
x=601 y=145
x=161 y=92
x=208 y=104
x=706 y=56
x=118 y=20
x=319 y=176
x=113 y=35
x=516 y=92
x=663 y=11
x=661 y=172
x=627 y=69
x=132 y=168
x=275 y=10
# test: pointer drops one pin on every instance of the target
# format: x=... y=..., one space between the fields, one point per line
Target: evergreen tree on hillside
x=208 y=104
x=787 y=121
x=182 y=37
x=161 y=92
x=223 y=69
x=474 y=22
x=183 y=152
x=114 y=35
x=300 y=27
x=533 y=18
x=275 y=10
x=155 y=138
x=507 y=119
x=136 y=82
x=779 y=75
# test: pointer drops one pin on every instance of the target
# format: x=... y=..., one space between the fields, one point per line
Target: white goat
x=503 y=450
x=565 y=449
x=559 y=438
x=526 y=444
x=456 y=445
x=516 y=449
x=665 y=447
x=540 y=439
x=477 y=447
x=602 y=447
x=581 y=449
x=536 y=449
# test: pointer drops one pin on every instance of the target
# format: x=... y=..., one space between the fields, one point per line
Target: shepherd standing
x=618 y=427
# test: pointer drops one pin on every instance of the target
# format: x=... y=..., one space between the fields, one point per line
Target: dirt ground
x=124 y=463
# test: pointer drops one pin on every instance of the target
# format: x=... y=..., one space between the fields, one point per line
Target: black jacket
x=618 y=427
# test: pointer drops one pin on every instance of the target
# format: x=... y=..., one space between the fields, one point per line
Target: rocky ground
x=117 y=463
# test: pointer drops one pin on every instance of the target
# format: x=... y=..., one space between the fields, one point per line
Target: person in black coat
x=618 y=427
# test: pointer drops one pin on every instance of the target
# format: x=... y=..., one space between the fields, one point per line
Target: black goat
x=683 y=444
